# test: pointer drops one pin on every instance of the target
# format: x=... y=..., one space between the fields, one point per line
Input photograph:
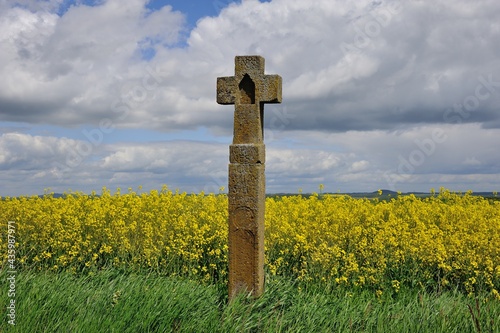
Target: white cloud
x=353 y=161
x=471 y=161
x=359 y=166
x=409 y=56
x=63 y=70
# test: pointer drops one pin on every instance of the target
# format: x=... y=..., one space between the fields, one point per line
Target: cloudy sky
x=401 y=95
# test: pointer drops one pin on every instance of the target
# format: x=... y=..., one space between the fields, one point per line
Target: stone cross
x=248 y=90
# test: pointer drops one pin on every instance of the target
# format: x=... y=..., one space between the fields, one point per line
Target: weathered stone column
x=248 y=90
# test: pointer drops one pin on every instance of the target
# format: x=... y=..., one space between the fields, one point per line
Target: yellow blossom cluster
x=179 y=233
x=446 y=240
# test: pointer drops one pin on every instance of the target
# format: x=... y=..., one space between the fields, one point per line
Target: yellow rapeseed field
x=447 y=240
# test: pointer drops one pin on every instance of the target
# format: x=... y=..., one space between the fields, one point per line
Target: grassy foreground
x=114 y=301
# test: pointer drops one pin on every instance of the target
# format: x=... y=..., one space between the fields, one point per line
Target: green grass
x=112 y=301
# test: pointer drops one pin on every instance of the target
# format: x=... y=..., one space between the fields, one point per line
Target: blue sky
x=193 y=10
x=388 y=94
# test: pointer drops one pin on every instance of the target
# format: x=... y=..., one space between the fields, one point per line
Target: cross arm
x=226 y=87
x=271 y=89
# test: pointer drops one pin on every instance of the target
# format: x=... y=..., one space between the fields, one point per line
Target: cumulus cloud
x=353 y=66
x=69 y=70
x=415 y=158
x=418 y=159
x=66 y=163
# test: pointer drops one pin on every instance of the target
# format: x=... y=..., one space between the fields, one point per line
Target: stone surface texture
x=248 y=90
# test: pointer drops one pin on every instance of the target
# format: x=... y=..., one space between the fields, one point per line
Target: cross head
x=248 y=90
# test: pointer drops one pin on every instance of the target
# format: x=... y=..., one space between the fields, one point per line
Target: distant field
x=388 y=194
